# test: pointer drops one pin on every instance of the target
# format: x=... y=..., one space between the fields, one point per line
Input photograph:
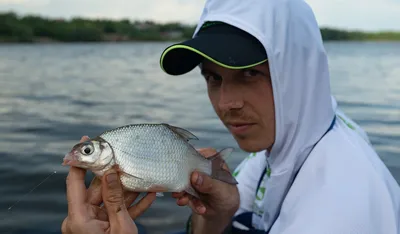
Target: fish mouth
x=70 y=159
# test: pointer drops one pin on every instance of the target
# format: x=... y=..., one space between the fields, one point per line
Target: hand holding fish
x=84 y=212
x=217 y=202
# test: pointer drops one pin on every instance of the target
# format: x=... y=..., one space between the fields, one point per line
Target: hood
x=300 y=79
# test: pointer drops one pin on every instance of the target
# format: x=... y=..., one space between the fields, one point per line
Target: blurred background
x=74 y=68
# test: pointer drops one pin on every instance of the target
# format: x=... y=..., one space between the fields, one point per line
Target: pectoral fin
x=130 y=175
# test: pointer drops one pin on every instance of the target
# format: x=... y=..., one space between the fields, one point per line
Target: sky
x=368 y=15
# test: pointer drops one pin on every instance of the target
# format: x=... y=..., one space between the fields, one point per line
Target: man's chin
x=249 y=146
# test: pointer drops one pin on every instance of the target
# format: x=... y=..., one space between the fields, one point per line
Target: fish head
x=90 y=154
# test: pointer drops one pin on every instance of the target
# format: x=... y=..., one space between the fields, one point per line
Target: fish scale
x=145 y=156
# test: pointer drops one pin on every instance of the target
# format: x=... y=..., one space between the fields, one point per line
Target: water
x=51 y=95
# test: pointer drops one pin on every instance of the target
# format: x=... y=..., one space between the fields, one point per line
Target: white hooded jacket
x=343 y=186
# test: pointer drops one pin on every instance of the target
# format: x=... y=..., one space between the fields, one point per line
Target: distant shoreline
x=105 y=41
x=41 y=42
x=39 y=30
x=51 y=41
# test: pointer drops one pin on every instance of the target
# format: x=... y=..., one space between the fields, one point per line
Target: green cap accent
x=209 y=24
x=205 y=56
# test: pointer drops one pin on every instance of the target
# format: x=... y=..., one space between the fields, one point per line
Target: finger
x=84 y=138
x=130 y=197
x=197 y=206
x=101 y=224
x=202 y=183
x=199 y=209
x=113 y=198
x=94 y=196
x=64 y=226
x=183 y=201
x=140 y=207
x=76 y=182
x=186 y=196
x=100 y=212
x=186 y=200
x=178 y=195
x=76 y=190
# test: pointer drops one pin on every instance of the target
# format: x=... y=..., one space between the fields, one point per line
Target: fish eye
x=87 y=149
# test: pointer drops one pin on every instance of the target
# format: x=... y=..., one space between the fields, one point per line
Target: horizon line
x=131 y=19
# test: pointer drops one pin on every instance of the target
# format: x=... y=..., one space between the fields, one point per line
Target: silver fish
x=151 y=158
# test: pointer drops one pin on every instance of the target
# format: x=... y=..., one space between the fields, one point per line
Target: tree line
x=33 y=28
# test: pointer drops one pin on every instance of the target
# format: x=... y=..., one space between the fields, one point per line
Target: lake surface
x=51 y=95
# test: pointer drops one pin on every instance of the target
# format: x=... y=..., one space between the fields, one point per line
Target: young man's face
x=244 y=102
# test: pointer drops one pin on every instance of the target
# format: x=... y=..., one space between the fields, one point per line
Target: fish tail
x=217 y=170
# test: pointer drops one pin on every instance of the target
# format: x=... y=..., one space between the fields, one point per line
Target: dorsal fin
x=185 y=134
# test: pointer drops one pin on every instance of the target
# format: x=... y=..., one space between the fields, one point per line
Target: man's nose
x=230 y=98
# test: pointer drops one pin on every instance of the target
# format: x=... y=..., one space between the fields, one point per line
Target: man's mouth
x=239 y=127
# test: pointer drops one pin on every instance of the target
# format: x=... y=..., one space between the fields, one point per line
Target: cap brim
x=227 y=50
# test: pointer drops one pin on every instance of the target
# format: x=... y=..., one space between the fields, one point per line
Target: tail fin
x=217 y=170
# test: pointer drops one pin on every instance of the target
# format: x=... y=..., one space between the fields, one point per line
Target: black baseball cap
x=221 y=43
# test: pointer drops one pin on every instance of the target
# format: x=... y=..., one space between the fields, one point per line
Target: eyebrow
x=205 y=71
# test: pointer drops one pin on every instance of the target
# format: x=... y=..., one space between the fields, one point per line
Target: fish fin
x=222 y=154
x=129 y=175
x=159 y=194
x=185 y=134
x=191 y=191
x=217 y=170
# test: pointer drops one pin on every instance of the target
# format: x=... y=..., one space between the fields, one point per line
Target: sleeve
x=247 y=173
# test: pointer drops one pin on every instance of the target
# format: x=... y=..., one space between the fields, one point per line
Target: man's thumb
x=112 y=193
x=202 y=182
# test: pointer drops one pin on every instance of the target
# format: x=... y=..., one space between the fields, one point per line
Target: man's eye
x=212 y=78
x=251 y=72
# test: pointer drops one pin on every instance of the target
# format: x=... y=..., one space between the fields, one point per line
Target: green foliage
x=12 y=29
x=329 y=34
x=32 y=28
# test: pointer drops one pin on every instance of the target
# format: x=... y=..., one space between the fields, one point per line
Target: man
x=311 y=169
